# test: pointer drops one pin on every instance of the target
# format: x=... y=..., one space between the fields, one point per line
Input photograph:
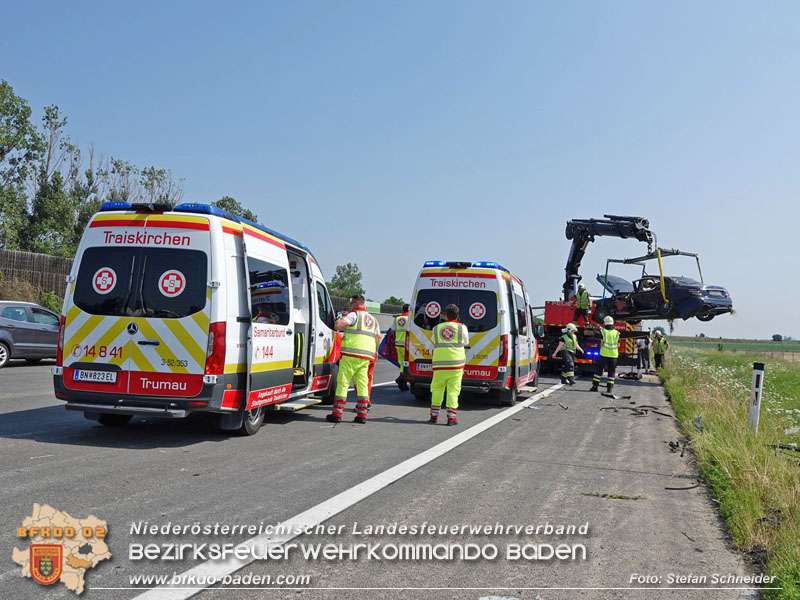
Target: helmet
x=571 y=327
x=658 y=333
x=608 y=320
x=581 y=286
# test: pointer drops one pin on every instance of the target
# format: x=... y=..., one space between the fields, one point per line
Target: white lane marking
x=42 y=456
x=333 y=506
x=352 y=389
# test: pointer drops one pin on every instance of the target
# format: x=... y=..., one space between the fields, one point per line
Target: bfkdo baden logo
x=61 y=548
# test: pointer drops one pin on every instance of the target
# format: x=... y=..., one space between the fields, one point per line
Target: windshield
x=478 y=308
x=142 y=282
x=615 y=284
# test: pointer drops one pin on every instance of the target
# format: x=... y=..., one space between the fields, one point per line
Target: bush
x=24 y=291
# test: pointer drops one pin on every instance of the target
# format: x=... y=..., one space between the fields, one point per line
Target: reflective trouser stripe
x=361 y=407
x=338 y=406
x=452 y=414
x=355 y=369
x=434 y=412
x=449 y=379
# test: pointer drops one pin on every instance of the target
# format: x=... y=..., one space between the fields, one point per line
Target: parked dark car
x=27 y=331
x=642 y=299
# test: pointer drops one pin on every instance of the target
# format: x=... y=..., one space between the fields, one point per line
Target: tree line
x=50 y=187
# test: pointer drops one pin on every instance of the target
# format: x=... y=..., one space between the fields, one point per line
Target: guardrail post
x=755 y=395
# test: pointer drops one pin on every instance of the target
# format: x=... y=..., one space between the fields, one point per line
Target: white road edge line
x=333 y=506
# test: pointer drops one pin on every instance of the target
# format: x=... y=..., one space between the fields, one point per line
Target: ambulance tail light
x=60 y=349
x=215 y=352
x=503 y=350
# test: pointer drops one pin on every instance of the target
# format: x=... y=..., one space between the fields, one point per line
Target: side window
x=269 y=292
x=522 y=318
x=44 y=318
x=15 y=313
x=325 y=307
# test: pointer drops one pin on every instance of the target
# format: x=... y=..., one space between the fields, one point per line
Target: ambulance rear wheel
x=420 y=393
x=328 y=397
x=253 y=419
x=508 y=397
x=111 y=420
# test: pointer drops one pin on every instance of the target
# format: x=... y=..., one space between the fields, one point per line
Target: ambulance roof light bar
x=114 y=205
x=434 y=263
x=206 y=209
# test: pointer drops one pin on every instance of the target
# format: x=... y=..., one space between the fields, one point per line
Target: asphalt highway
x=562 y=461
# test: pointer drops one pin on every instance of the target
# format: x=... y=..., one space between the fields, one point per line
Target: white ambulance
x=192 y=309
x=494 y=304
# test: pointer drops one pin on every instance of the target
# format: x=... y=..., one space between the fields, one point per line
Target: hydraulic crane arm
x=583 y=231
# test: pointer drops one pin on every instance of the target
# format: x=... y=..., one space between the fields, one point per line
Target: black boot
x=571 y=380
x=563 y=379
x=610 y=388
x=594 y=387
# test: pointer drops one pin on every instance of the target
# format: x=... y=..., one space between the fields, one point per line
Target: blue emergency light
x=115 y=205
x=489 y=264
x=434 y=263
x=205 y=209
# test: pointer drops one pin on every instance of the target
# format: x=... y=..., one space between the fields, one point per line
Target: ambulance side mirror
x=539 y=331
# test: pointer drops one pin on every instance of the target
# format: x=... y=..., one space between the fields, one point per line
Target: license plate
x=95 y=376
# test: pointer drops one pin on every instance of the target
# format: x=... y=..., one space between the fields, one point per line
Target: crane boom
x=583 y=231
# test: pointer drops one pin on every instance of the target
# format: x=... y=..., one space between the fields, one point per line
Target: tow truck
x=557 y=313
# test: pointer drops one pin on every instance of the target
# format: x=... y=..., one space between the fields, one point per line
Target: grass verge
x=757 y=486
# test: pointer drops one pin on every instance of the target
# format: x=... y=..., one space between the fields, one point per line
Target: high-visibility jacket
x=582 y=300
x=359 y=338
x=449 y=345
x=660 y=346
x=569 y=343
x=400 y=327
x=610 y=345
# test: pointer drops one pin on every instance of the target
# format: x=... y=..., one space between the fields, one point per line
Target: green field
x=760 y=347
x=756 y=485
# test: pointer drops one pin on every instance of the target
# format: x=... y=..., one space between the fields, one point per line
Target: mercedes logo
x=132 y=328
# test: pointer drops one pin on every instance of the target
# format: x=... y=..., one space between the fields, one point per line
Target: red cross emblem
x=172 y=283
x=447 y=333
x=433 y=309
x=477 y=310
x=369 y=321
x=104 y=280
x=401 y=322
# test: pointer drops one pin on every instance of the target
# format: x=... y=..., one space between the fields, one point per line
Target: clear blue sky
x=388 y=133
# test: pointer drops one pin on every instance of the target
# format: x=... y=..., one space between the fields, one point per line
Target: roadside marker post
x=755 y=395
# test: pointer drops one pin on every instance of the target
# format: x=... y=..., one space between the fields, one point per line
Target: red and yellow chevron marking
x=459 y=273
x=178 y=222
x=231 y=228
x=263 y=235
x=112 y=220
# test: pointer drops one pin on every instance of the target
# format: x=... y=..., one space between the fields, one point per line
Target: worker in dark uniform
x=568 y=345
x=609 y=351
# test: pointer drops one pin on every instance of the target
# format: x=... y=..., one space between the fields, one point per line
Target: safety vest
x=660 y=346
x=610 y=347
x=449 y=341
x=569 y=343
x=400 y=326
x=582 y=300
x=359 y=339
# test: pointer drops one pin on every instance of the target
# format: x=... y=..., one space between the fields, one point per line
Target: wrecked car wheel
x=705 y=317
x=665 y=308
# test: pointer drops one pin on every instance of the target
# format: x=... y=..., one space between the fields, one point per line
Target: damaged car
x=660 y=296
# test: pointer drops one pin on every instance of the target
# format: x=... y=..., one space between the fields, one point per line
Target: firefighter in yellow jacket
x=400 y=326
x=609 y=351
x=359 y=348
x=450 y=340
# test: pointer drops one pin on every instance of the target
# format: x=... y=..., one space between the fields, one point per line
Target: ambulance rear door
x=170 y=307
x=324 y=365
x=522 y=349
x=271 y=342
